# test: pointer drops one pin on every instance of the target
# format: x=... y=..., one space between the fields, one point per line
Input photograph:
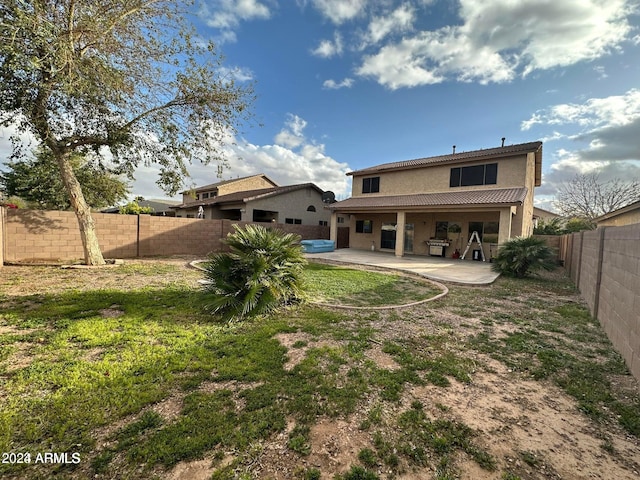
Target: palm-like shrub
x=262 y=272
x=519 y=256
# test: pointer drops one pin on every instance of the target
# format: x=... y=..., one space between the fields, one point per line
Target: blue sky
x=346 y=84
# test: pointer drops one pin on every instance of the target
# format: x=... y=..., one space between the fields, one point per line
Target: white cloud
x=339 y=11
x=292 y=136
x=226 y=15
x=238 y=74
x=329 y=48
x=27 y=142
x=333 y=85
x=615 y=110
x=499 y=40
x=293 y=158
x=400 y=20
x=603 y=135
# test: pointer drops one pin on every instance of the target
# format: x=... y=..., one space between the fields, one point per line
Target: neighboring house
x=545 y=216
x=160 y=207
x=256 y=199
x=433 y=205
x=623 y=216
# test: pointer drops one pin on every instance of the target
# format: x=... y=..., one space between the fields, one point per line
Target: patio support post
x=400 y=223
x=504 y=230
x=333 y=228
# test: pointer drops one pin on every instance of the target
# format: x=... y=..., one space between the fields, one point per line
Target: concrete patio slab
x=466 y=272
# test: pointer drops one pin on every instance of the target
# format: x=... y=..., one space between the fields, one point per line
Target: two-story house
x=256 y=198
x=432 y=206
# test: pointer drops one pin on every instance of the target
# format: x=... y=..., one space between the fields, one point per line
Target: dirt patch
x=520 y=421
x=19 y=281
x=113 y=311
x=196 y=470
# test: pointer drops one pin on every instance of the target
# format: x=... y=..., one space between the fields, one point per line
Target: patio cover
x=474 y=198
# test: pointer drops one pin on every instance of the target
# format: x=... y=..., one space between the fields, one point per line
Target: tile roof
x=248 y=195
x=495 y=197
x=453 y=158
x=225 y=182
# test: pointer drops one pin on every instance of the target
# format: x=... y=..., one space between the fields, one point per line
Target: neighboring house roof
x=541 y=212
x=503 y=196
x=484 y=154
x=157 y=205
x=226 y=182
x=249 y=195
x=629 y=208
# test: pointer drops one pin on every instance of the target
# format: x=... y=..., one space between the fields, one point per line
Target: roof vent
x=503 y=139
x=454 y=149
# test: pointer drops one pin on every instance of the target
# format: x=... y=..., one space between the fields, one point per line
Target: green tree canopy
x=37 y=180
x=122 y=83
x=134 y=208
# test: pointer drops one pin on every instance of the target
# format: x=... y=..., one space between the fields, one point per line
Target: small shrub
x=368 y=457
x=261 y=273
x=519 y=256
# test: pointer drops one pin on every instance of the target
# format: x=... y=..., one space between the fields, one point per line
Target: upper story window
x=311 y=208
x=205 y=195
x=371 y=185
x=474 y=175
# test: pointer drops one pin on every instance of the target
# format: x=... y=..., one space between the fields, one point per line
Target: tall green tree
x=37 y=180
x=121 y=82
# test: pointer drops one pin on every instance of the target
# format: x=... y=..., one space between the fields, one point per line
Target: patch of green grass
x=438 y=361
x=530 y=458
x=299 y=440
x=510 y=476
x=357 y=473
x=420 y=440
x=348 y=286
x=368 y=457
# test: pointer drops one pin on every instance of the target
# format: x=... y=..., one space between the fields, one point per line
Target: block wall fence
x=36 y=235
x=605 y=266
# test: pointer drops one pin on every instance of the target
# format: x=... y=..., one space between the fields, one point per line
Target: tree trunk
x=92 y=253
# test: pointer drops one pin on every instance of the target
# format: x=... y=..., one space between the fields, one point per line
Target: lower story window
x=364 y=226
x=487 y=231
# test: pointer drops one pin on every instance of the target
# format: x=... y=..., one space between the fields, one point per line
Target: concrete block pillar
x=504 y=230
x=333 y=228
x=400 y=224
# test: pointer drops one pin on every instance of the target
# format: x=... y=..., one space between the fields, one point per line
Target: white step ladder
x=477 y=237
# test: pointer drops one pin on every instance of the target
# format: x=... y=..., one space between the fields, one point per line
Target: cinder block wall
x=576 y=257
x=605 y=265
x=619 y=301
x=36 y=235
x=589 y=269
x=2 y=228
x=178 y=236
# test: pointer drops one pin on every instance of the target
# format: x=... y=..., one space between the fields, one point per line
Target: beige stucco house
x=431 y=206
x=542 y=215
x=623 y=216
x=256 y=199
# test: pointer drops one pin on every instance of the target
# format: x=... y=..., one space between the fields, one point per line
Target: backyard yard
x=119 y=372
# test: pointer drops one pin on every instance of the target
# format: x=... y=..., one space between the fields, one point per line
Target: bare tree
x=119 y=82
x=585 y=196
